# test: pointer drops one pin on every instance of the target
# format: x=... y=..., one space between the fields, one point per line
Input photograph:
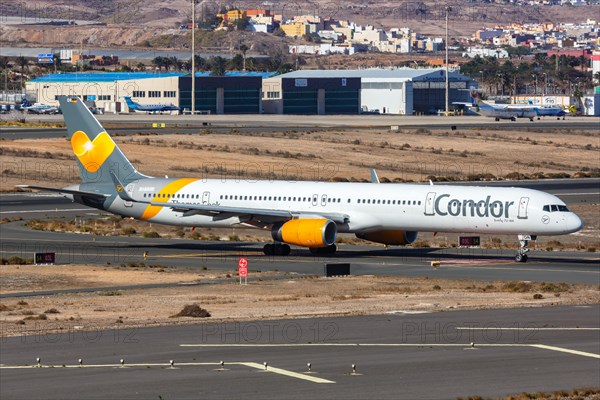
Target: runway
x=399 y=356
x=142 y=123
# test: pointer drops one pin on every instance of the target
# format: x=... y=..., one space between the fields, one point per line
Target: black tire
x=285 y=250
x=524 y=258
x=321 y=251
x=519 y=257
x=268 y=249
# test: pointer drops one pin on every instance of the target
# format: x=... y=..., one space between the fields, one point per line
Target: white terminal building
x=403 y=91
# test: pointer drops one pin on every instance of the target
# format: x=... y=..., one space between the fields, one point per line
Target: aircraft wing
x=260 y=214
x=99 y=196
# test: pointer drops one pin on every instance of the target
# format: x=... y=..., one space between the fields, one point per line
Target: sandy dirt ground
x=267 y=296
x=408 y=155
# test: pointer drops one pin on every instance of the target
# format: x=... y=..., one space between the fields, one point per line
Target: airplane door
x=523 y=207
x=129 y=190
x=429 y=202
x=206 y=198
x=324 y=200
x=315 y=200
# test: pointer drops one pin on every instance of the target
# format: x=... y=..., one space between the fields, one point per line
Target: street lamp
x=193 y=57
x=447 y=9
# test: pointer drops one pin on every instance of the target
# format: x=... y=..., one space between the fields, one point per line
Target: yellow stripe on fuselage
x=172 y=188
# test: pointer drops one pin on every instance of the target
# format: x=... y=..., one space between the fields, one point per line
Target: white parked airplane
x=38 y=108
x=500 y=111
x=307 y=214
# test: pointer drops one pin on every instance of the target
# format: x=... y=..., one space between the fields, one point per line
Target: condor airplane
x=307 y=214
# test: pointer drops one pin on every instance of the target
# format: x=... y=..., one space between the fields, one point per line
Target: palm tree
x=200 y=63
x=23 y=63
x=141 y=66
x=158 y=62
x=217 y=66
x=244 y=49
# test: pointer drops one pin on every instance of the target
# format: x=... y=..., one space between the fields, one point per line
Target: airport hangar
x=403 y=91
x=234 y=93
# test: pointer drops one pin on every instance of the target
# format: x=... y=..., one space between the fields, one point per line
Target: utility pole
x=193 y=57
x=447 y=68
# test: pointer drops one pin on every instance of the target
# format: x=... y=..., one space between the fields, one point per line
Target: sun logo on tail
x=92 y=153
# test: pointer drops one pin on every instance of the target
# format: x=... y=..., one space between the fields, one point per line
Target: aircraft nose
x=574 y=223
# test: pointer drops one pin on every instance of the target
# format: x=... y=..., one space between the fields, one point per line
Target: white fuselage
x=368 y=207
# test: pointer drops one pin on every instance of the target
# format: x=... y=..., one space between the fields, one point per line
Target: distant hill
x=139 y=22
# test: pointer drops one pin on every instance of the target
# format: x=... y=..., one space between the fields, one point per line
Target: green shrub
x=151 y=235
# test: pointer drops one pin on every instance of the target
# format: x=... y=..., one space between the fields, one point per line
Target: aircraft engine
x=395 y=238
x=314 y=233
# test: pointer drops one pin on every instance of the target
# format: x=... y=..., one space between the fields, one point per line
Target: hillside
x=154 y=24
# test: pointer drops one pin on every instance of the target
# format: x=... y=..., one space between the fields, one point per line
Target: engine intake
x=393 y=238
x=313 y=233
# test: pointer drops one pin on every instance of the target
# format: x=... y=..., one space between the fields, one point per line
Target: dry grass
x=307 y=155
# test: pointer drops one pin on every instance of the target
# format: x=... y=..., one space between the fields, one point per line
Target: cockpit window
x=555 y=208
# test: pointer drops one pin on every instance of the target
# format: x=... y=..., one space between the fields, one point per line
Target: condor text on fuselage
x=483 y=208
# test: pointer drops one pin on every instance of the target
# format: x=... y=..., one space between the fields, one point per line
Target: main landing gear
x=321 y=251
x=521 y=255
x=276 y=249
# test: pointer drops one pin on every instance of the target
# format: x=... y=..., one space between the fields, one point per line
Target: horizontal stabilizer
x=66 y=191
x=120 y=188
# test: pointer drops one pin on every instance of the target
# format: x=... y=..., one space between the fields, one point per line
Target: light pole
x=193 y=57
x=447 y=69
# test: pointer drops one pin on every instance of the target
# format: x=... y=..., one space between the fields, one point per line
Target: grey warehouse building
x=389 y=91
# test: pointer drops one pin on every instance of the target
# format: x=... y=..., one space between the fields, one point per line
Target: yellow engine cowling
x=316 y=233
x=392 y=238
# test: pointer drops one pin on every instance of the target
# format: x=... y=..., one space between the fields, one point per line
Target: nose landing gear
x=521 y=255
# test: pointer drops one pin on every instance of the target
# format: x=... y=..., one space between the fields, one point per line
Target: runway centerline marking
x=285 y=372
x=563 y=350
x=463 y=345
x=526 y=328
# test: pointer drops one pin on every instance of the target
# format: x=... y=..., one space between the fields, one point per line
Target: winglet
x=121 y=192
x=374 y=177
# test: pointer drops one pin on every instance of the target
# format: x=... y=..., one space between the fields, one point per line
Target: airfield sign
x=243 y=269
